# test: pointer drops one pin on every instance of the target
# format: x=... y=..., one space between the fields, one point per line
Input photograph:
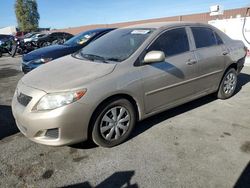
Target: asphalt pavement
x=204 y=143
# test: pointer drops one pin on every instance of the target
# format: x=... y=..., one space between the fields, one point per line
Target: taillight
x=246 y=50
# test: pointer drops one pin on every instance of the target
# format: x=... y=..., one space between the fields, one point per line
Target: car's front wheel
x=114 y=121
x=228 y=84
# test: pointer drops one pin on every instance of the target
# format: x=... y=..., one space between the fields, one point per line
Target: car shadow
x=117 y=179
x=244 y=179
x=88 y=144
x=243 y=79
x=7 y=122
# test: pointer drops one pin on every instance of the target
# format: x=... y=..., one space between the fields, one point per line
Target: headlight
x=42 y=60
x=56 y=100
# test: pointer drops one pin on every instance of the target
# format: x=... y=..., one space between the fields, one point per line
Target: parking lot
x=205 y=143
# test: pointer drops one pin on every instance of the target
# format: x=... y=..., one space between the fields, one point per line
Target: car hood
x=66 y=73
x=54 y=51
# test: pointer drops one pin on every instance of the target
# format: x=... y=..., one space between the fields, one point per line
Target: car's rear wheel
x=46 y=44
x=228 y=84
x=114 y=121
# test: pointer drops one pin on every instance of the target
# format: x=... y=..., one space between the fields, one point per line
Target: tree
x=27 y=15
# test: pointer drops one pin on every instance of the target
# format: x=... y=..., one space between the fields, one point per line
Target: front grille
x=23 y=99
x=52 y=133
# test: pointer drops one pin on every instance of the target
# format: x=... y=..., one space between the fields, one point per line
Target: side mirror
x=154 y=56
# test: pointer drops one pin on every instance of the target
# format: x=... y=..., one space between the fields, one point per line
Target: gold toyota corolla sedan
x=125 y=76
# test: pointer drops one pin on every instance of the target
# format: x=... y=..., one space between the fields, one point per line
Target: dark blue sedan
x=43 y=55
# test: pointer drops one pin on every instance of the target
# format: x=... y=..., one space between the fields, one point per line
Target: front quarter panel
x=125 y=79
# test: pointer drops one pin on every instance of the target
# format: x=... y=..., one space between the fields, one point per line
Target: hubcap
x=115 y=123
x=229 y=83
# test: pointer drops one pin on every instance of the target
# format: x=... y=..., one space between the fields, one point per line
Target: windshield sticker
x=140 y=32
x=87 y=36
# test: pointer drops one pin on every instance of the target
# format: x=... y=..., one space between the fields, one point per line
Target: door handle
x=224 y=52
x=191 y=62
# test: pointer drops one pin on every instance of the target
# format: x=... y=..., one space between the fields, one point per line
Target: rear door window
x=204 y=37
x=171 y=42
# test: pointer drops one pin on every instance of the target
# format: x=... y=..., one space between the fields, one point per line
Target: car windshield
x=117 y=45
x=80 y=38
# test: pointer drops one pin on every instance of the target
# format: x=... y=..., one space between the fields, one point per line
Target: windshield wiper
x=93 y=57
x=113 y=59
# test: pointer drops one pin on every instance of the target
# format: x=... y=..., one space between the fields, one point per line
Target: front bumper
x=62 y=126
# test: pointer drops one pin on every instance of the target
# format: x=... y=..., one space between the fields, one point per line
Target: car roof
x=100 y=29
x=158 y=25
x=3 y=36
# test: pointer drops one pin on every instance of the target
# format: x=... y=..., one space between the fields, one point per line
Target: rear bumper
x=240 y=65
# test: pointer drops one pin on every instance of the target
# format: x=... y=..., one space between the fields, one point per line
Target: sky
x=72 y=13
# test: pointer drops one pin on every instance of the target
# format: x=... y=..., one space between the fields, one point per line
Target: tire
x=0 y=53
x=13 y=51
x=106 y=126
x=46 y=44
x=228 y=84
x=28 y=44
x=39 y=44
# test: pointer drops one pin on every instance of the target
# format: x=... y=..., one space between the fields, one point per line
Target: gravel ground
x=205 y=143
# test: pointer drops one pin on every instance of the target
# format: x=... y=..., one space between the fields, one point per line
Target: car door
x=169 y=82
x=210 y=56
